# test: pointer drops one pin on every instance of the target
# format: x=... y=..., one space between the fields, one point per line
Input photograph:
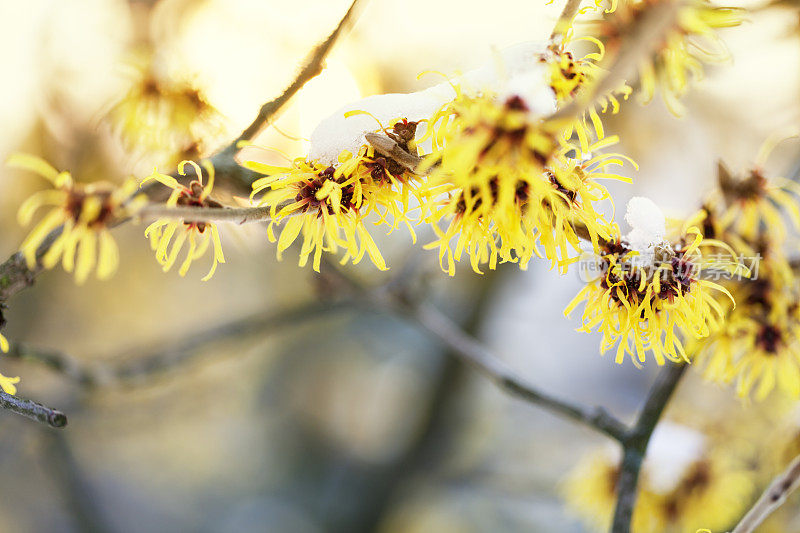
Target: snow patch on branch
x=515 y=71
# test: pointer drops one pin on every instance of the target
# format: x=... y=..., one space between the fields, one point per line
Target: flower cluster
x=84 y=212
x=165 y=115
x=502 y=164
x=759 y=346
x=690 y=41
x=653 y=304
x=687 y=482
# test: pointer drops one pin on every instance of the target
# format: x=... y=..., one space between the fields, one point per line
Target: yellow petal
x=108 y=259
x=34 y=164
x=7 y=384
x=87 y=254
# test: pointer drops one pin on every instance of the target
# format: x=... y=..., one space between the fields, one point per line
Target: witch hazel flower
x=650 y=297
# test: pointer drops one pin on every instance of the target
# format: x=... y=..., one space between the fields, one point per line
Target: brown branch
x=641 y=42
x=635 y=444
x=474 y=353
x=135 y=367
x=772 y=498
x=564 y=21
x=479 y=357
x=240 y=215
x=33 y=410
x=313 y=67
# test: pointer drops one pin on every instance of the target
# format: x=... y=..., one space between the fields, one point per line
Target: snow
x=337 y=133
x=648 y=228
x=672 y=450
x=513 y=71
x=530 y=87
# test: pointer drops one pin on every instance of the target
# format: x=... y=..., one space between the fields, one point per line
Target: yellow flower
x=381 y=184
x=6 y=383
x=500 y=179
x=759 y=346
x=640 y=307
x=9 y=384
x=691 y=42
x=488 y=160
x=565 y=213
x=685 y=483
x=747 y=204
x=200 y=235
x=320 y=203
x=569 y=75
x=83 y=211
x=163 y=114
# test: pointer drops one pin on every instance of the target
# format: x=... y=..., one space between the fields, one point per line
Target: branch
x=772 y=498
x=564 y=21
x=312 y=68
x=33 y=410
x=207 y=214
x=636 y=441
x=477 y=355
x=148 y=363
x=647 y=35
x=471 y=351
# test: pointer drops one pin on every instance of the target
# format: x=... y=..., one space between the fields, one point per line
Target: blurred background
x=343 y=420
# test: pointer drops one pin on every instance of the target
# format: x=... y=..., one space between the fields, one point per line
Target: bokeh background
x=351 y=420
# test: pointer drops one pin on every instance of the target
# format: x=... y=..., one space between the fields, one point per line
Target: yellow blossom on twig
x=690 y=42
x=84 y=213
x=651 y=307
x=200 y=235
x=321 y=205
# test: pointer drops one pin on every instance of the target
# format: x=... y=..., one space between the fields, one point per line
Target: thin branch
x=16 y=276
x=138 y=366
x=636 y=441
x=471 y=351
x=772 y=498
x=388 y=147
x=564 y=21
x=313 y=67
x=477 y=355
x=34 y=411
x=643 y=40
x=240 y=215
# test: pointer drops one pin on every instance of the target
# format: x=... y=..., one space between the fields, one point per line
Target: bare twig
x=772 y=498
x=564 y=21
x=240 y=215
x=312 y=68
x=388 y=147
x=471 y=351
x=477 y=355
x=635 y=444
x=33 y=410
x=643 y=40
x=137 y=366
